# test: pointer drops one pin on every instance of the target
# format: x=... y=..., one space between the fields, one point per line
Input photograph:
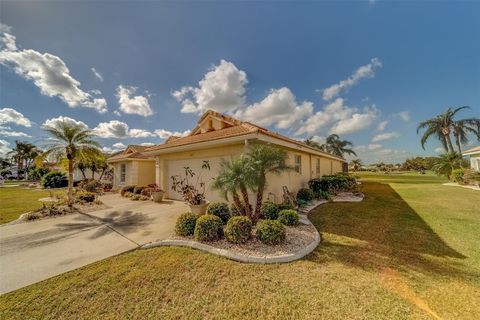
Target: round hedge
x=238 y=229
x=305 y=194
x=55 y=179
x=86 y=196
x=219 y=209
x=185 y=225
x=208 y=228
x=271 y=232
x=270 y=210
x=288 y=217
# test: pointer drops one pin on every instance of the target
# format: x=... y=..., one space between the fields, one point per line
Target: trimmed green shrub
x=126 y=189
x=91 y=186
x=270 y=210
x=234 y=210
x=324 y=195
x=238 y=229
x=219 y=209
x=208 y=228
x=138 y=189
x=185 y=225
x=288 y=217
x=86 y=196
x=55 y=179
x=305 y=194
x=457 y=175
x=135 y=197
x=270 y=232
x=333 y=184
x=285 y=205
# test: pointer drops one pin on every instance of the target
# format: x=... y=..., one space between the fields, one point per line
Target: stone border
x=250 y=258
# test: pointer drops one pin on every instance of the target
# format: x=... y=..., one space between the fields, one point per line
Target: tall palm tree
x=265 y=159
x=24 y=154
x=235 y=175
x=356 y=164
x=446 y=163
x=461 y=129
x=73 y=141
x=337 y=147
x=312 y=143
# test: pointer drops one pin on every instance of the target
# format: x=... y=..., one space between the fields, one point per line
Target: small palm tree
x=446 y=163
x=337 y=147
x=24 y=154
x=356 y=164
x=73 y=142
x=312 y=143
x=265 y=159
x=235 y=175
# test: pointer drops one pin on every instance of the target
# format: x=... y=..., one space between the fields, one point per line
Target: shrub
x=270 y=232
x=270 y=210
x=138 y=189
x=238 y=229
x=144 y=198
x=305 y=194
x=333 y=184
x=220 y=210
x=208 y=228
x=126 y=189
x=92 y=186
x=288 y=217
x=234 y=210
x=55 y=179
x=285 y=205
x=147 y=191
x=185 y=225
x=107 y=186
x=457 y=175
x=86 y=196
x=33 y=216
x=324 y=195
x=128 y=194
x=135 y=197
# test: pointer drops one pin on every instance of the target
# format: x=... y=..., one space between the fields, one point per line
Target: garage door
x=177 y=167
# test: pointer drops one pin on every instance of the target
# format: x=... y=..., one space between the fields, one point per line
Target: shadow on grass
x=383 y=231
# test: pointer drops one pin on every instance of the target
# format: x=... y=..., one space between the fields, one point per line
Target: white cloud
x=385 y=136
x=8 y=132
x=370 y=147
x=119 y=145
x=374 y=153
x=404 y=115
x=221 y=89
x=111 y=129
x=279 y=108
x=439 y=150
x=4 y=148
x=133 y=104
x=97 y=74
x=48 y=72
x=9 y=115
x=356 y=122
x=363 y=72
x=164 y=134
x=147 y=144
x=53 y=122
x=140 y=133
x=382 y=125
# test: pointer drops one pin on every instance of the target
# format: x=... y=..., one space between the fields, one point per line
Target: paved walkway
x=34 y=251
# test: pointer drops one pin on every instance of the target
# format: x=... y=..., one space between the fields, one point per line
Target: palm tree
x=24 y=154
x=356 y=164
x=73 y=141
x=337 y=147
x=312 y=143
x=446 y=163
x=461 y=129
x=265 y=159
x=235 y=175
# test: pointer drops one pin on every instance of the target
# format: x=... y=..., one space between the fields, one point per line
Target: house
x=218 y=136
x=474 y=155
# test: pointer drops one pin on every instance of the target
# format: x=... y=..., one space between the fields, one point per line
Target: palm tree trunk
x=246 y=201
x=258 y=206
x=70 y=181
x=457 y=142
x=449 y=143
x=238 y=203
x=101 y=175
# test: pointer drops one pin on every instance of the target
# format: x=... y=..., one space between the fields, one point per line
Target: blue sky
x=369 y=71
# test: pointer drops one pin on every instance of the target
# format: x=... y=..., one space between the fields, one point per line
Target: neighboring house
x=474 y=155
x=132 y=167
x=217 y=136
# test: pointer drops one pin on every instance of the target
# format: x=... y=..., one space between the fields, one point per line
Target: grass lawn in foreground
x=408 y=251
x=17 y=200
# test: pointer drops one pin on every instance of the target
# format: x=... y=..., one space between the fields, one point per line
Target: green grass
x=408 y=251
x=17 y=200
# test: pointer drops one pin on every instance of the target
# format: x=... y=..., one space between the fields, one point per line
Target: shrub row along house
x=218 y=136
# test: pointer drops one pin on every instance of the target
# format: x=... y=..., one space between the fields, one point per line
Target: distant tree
x=24 y=154
x=334 y=145
x=356 y=164
x=446 y=163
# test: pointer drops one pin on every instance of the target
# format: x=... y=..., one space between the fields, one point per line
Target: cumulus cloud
x=221 y=89
x=370 y=147
x=9 y=132
x=54 y=122
x=119 y=145
x=279 y=108
x=48 y=72
x=356 y=122
x=404 y=116
x=4 y=148
x=164 y=134
x=133 y=104
x=140 y=133
x=9 y=115
x=97 y=74
x=363 y=72
x=147 y=144
x=385 y=136
x=382 y=125
x=111 y=129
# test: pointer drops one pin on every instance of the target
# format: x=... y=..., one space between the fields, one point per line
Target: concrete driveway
x=34 y=251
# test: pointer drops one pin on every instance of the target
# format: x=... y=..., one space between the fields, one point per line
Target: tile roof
x=131 y=152
x=476 y=149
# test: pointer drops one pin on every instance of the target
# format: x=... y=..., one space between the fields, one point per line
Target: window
x=317 y=168
x=298 y=163
x=123 y=172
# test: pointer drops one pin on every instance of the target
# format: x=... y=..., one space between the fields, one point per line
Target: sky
x=138 y=72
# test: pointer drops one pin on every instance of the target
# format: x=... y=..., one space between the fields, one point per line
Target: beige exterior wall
x=137 y=173
x=475 y=162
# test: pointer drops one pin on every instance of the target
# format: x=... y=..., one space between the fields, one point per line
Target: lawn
x=408 y=251
x=17 y=200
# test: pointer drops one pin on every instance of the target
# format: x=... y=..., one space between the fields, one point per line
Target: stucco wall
x=475 y=162
x=137 y=173
x=145 y=172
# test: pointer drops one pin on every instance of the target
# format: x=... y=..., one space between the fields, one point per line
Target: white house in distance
x=474 y=155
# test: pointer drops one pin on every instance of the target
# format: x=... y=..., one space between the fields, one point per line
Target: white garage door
x=177 y=167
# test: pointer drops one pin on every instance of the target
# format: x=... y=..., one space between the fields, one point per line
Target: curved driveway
x=34 y=251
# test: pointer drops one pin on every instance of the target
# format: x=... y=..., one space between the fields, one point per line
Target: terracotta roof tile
x=476 y=149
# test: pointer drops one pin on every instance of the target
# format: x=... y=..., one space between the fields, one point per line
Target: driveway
x=34 y=251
